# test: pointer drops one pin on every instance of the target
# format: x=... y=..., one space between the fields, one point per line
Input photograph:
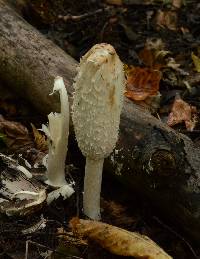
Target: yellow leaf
x=196 y=61
x=40 y=140
x=117 y=240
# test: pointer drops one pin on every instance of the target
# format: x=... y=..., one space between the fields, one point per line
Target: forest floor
x=159 y=43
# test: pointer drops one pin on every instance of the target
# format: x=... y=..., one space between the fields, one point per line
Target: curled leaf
x=142 y=82
x=118 y=241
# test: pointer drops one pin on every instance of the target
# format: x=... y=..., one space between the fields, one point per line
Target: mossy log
x=159 y=164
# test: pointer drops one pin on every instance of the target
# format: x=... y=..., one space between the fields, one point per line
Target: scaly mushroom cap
x=98 y=99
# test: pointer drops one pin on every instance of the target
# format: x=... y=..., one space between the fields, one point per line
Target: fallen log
x=30 y=62
x=159 y=164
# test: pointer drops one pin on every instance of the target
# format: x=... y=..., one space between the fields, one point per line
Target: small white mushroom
x=57 y=133
x=97 y=105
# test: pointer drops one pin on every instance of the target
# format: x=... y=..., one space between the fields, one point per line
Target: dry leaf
x=172 y=64
x=182 y=112
x=184 y=30
x=147 y=57
x=153 y=53
x=196 y=61
x=141 y=83
x=40 y=139
x=177 y=3
x=154 y=56
x=118 y=241
x=17 y=135
x=166 y=19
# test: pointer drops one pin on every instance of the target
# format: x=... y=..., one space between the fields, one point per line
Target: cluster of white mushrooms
x=97 y=105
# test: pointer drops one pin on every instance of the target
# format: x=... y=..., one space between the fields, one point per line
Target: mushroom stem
x=92 y=188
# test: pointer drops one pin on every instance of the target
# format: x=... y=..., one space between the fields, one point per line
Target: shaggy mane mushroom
x=97 y=105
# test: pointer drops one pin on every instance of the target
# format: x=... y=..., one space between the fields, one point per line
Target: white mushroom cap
x=98 y=101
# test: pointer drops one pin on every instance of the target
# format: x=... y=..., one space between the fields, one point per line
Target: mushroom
x=57 y=133
x=97 y=105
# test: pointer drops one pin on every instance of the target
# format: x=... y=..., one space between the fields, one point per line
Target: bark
x=157 y=163
x=30 y=62
x=161 y=166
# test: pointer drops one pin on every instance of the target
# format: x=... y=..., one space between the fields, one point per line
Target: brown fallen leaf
x=17 y=135
x=40 y=140
x=166 y=19
x=177 y=3
x=182 y=112
x=117 y=240
x=141 y=83
x=153 y=54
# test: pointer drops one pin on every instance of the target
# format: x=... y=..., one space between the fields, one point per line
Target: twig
x=26 y=253
x=82 y=16
x=103 y=29
x=177 y=235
